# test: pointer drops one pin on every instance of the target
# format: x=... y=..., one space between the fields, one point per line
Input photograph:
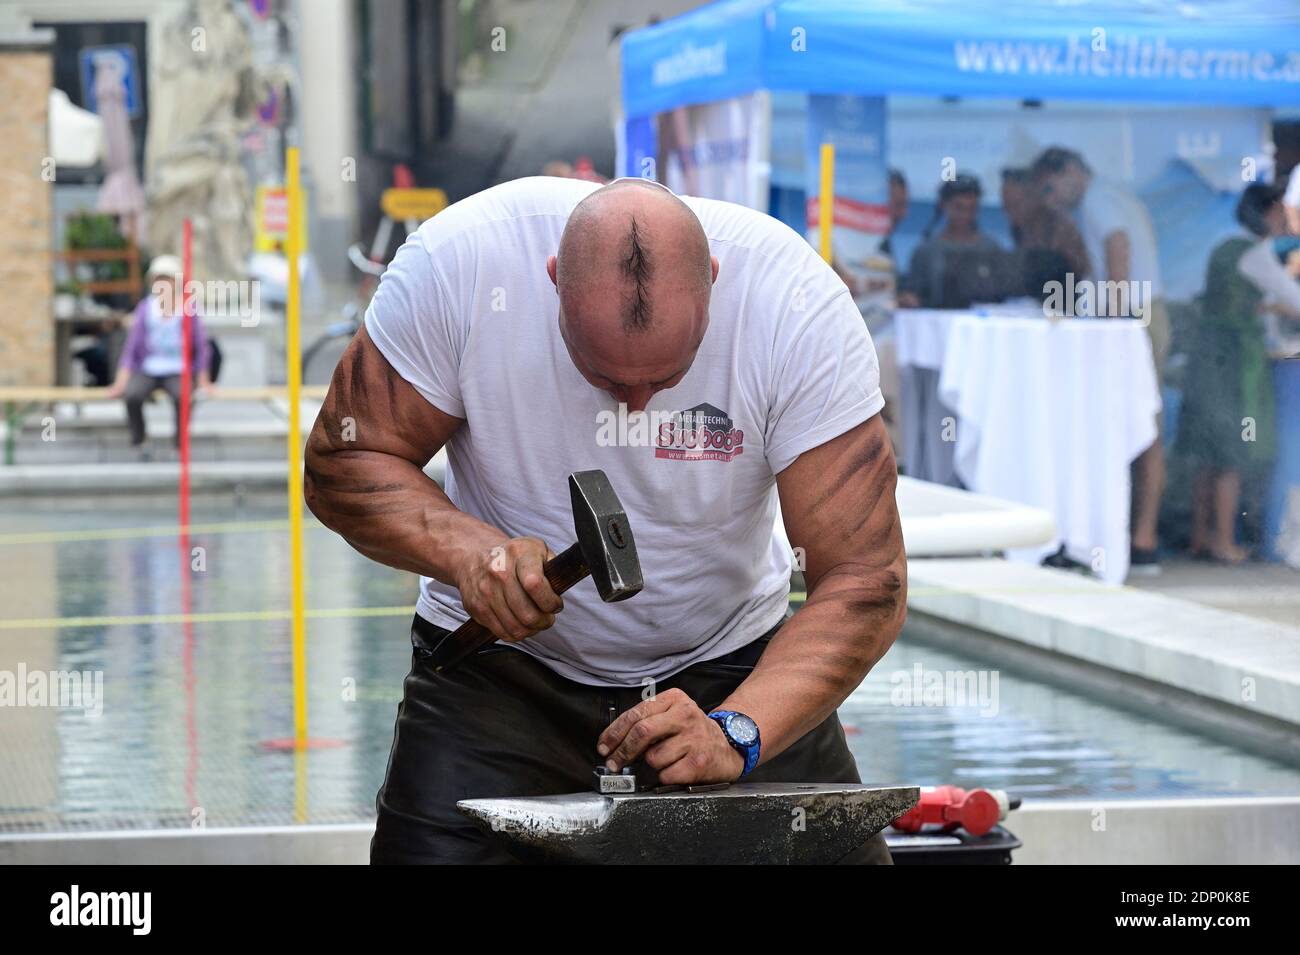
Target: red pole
x=188 y=308
x=187 y=374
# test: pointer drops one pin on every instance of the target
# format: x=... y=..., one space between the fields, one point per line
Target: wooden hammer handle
x=562 y=572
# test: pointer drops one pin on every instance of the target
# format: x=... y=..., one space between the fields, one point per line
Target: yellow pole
x=826 y=201
x=293 y=375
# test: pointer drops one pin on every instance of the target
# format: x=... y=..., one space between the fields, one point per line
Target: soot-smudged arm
x=364 y=470
x=839 y=509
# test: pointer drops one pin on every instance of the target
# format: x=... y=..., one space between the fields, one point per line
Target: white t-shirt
x=1292 y=195
x=164 y=336
x=467 y=314
x=1107 y=208
x=1261 y=266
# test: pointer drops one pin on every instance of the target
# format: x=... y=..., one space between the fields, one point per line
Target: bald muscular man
x=711 y=364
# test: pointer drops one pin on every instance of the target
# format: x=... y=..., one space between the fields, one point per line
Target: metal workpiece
x=610 y=784
x=746 y=823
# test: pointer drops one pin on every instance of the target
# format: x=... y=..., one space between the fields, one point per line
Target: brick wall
x=26 y=273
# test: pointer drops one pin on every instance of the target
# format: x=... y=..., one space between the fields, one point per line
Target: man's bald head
x=634 y=274
x=637 y=239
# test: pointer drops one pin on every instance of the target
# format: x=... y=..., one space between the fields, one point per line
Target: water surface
x=188 y=710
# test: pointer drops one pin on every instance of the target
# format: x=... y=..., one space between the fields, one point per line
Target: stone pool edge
x=1184 y=653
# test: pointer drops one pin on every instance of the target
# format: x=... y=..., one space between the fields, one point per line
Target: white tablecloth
x=1051 y=414
x=924 y=447
x=922 y=335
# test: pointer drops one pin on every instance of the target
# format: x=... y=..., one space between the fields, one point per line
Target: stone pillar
x=26 y=231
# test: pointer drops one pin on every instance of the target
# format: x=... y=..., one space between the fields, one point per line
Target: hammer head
x=604 y=536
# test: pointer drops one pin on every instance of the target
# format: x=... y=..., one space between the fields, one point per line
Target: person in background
x=580 y=169
x=897 y=206
x=152 y=357
x=1037 y=227
x=932 y=273
x=898 y=202
x=1121 y=244
x=1228 y=372
x=676 y=142
x=95 y=356
x=1291 y=201
x=891 y=385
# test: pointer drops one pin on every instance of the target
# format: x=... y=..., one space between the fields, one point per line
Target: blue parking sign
x=120 y=57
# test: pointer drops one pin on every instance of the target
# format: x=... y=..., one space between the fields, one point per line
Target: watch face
x=742 y=729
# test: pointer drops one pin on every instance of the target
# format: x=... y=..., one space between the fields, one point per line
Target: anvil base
x=744 y=824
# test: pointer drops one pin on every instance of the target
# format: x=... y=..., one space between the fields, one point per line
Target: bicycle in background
x=402 y=203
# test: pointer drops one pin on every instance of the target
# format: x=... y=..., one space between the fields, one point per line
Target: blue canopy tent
x=1216 y=55
x=1244 y=52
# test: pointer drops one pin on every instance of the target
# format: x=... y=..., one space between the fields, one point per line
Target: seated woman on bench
x=152 y=358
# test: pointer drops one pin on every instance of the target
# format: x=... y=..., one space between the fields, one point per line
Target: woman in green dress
x=1226 y=425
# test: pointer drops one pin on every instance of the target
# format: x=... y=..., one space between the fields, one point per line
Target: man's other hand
x=504 y=588
x=676 y=738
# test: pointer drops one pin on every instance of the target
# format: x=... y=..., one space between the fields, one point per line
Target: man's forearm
x=823 y=652
x=394 y=513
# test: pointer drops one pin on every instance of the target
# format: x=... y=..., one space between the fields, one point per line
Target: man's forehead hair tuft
x=638 y=270
x=628 y=243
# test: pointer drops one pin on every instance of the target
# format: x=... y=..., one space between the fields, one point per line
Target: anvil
x=744 y=824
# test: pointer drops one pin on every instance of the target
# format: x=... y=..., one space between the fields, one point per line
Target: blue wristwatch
x=742 y=734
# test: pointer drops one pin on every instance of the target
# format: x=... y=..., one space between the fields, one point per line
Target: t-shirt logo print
x=702 y=433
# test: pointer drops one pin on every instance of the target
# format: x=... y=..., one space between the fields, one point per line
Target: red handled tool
x=950 y=807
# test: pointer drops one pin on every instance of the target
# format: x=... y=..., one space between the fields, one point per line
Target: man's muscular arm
x=365 y=480
x=838 y=503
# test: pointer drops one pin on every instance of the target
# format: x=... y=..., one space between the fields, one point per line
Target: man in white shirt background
x=1291 y=201
x=507 y=329
x=1121 y=244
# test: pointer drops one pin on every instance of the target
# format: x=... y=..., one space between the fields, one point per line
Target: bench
x=18 y=399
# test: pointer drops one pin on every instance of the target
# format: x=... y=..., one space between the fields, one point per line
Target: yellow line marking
x=245 y=616
x=826 y=201
x=1086 y=588
x=1090 y=588
x=293 y=369
x=219 y=616
x=157 y=530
